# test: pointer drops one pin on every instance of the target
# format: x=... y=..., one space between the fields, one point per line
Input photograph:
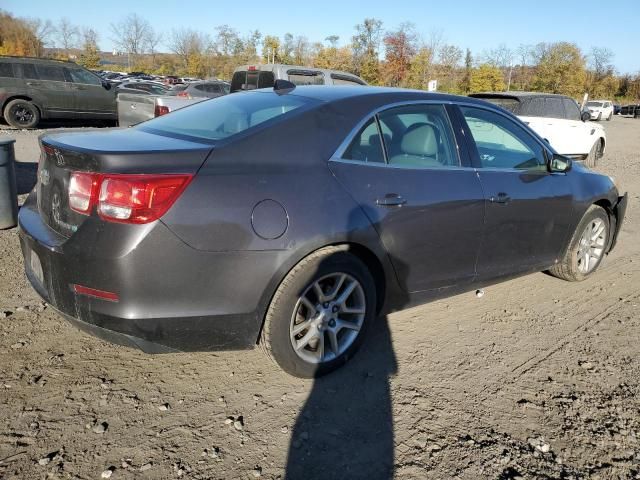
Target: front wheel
x=609 y=117
x=21 y=113
x=319 y=315
x=587 y=248
x=594 y=154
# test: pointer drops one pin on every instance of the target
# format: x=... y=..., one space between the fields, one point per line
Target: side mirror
x=559 y=164
x=585 y=116
x=106 y=85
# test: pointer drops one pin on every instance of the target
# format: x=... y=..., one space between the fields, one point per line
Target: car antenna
x=282 y=87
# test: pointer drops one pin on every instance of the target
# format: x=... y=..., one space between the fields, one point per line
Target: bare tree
x=333 y=40
x=89 y=37
x=152 y=41
x=43 y=30
x=186 y=42
x=600 y=61
x=67 y=34
x=130 y=35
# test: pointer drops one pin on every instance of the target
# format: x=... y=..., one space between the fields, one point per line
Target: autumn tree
x=90 y=56
x=271 y=49
x=365 y=46
x=43 y=30
x=560 y=68
x=465 y=85
x=420 y=69
x=486 y=78
x=16 y=37
x=400 y=47
x=449 y=59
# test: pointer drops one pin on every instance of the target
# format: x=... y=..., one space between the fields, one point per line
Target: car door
x=91 y=99
x=50 y=87
x=528 y=209
x=403 y=169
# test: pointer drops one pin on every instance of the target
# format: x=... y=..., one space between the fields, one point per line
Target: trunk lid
x=115 y=151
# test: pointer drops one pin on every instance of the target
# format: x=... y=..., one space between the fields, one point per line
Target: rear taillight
x=183 y=95
x=83 y=189
x=161 y=110
x=126 y=198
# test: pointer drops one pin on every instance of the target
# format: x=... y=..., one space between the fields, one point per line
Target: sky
x=477 y=25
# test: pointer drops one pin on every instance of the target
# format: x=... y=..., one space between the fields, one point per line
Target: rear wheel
x=587 y=247
x=319 y=315
x=21 y=113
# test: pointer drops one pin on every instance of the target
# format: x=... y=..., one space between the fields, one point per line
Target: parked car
x=32 y=89
x=291 y=217
x=616 y=109
x=630 y=110
x=600 y=109
x=202 y=88
x=557 y=119
x=250 y=77
x=148 y=88
x=134 y=108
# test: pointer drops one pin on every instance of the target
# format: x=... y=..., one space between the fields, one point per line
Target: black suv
x=35 y=88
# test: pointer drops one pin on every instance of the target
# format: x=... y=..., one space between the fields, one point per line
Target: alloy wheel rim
x=327 y=318
x=591 y=246
x=22 y=115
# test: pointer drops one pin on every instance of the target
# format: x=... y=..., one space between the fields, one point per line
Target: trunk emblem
x=59 y=158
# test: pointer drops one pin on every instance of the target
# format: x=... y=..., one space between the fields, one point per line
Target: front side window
x=501 y=143
x=82 y=76
x=225 y=116
x=571 y=109
x=50 y=72
x=554 y=107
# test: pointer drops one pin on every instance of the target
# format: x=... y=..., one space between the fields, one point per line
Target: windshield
x=594 y=104
x=222 y=117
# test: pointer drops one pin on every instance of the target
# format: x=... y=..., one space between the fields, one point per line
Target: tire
x=295 y=305
x=609 y=117
x=572 y=266
x=599 y=117
x=21 y=113
x=594 y=154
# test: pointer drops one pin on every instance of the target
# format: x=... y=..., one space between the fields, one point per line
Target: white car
x=600 y=109
x=557 y=119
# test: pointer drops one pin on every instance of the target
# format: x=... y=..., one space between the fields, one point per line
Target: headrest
x=420 y=139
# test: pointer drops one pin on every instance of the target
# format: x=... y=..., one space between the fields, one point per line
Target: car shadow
x=345 y=428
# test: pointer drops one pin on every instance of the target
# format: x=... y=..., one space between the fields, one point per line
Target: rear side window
x=367 y=145
x=26 y=70
x=306 y=77
x=238 y=80
x=535 y=107
x=227 y=115
x=510 y=104
x=6 y=69
x=50 y=72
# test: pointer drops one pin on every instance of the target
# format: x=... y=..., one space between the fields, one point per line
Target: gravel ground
x=537 y=379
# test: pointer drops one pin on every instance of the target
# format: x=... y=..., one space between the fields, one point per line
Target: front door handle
x=34 y=84
x=391 y=200
x=500 y=198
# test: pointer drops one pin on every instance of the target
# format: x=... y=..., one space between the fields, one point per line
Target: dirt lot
x=538 y=379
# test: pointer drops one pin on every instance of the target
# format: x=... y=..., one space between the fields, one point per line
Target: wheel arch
x=22 y=97
x=607 y=206
x=362 y=252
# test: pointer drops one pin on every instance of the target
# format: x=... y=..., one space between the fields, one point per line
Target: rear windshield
x=222 y=117
x=510 y=104
x=594 y=104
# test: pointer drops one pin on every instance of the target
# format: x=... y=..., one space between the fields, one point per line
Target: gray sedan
x=291 y=217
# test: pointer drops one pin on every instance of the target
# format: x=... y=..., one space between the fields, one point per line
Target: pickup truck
x=134 y=108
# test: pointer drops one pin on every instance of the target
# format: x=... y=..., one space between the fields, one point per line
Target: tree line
x=398 y=57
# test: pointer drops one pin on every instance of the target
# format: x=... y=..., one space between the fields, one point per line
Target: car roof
x=516 y=94
x=37 y=60
x=328 y=93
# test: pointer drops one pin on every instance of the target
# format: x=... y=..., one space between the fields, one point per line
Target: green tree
x=90 y=56
x=486 y=78
x=420 y=69
x=560 y=68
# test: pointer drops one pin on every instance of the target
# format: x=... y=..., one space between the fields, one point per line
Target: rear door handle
x=391 y=200
x=500 y=198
